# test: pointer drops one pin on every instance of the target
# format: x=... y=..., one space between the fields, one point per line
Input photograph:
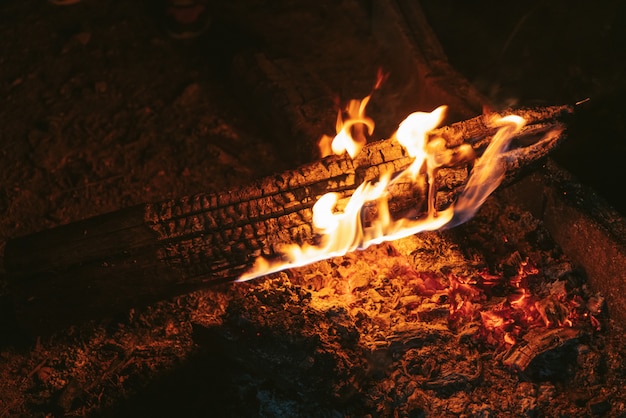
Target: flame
x=487 y=173
x=350 y=136
x=343 y=231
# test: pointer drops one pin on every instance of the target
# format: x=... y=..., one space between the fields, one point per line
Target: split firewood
x=158 y=250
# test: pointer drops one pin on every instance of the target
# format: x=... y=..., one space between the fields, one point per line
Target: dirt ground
x=101 y=110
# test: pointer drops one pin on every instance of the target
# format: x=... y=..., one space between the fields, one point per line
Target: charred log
x=155 y=251
x=536 y=342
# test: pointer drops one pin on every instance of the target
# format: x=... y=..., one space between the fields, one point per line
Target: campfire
x=350 y=228
x=391 y=270
x=417 y=181
x=419 y=275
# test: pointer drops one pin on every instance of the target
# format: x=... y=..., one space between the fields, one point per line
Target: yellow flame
x=488 y=172
x=343 y=231
x=412 y=134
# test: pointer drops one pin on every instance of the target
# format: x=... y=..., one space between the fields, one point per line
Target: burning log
x=109 y=263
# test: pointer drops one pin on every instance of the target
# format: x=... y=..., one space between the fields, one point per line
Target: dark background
x=541 y=53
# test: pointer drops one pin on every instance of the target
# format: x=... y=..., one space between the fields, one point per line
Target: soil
x=101 y=110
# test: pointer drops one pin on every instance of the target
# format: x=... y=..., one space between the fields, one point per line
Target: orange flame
x=343 y=231
x=350 y=136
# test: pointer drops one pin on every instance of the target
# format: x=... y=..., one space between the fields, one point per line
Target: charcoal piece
x=536 y=342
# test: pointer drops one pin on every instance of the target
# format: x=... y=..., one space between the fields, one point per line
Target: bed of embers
x=487 y=319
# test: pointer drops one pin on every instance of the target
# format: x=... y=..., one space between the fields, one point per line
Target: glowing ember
x=503 y=323
x=343 y=231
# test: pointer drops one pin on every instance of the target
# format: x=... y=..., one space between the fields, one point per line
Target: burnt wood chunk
x=159 y=250
x=536 y=342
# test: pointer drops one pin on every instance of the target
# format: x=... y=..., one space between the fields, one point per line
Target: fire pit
x=510 y=312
